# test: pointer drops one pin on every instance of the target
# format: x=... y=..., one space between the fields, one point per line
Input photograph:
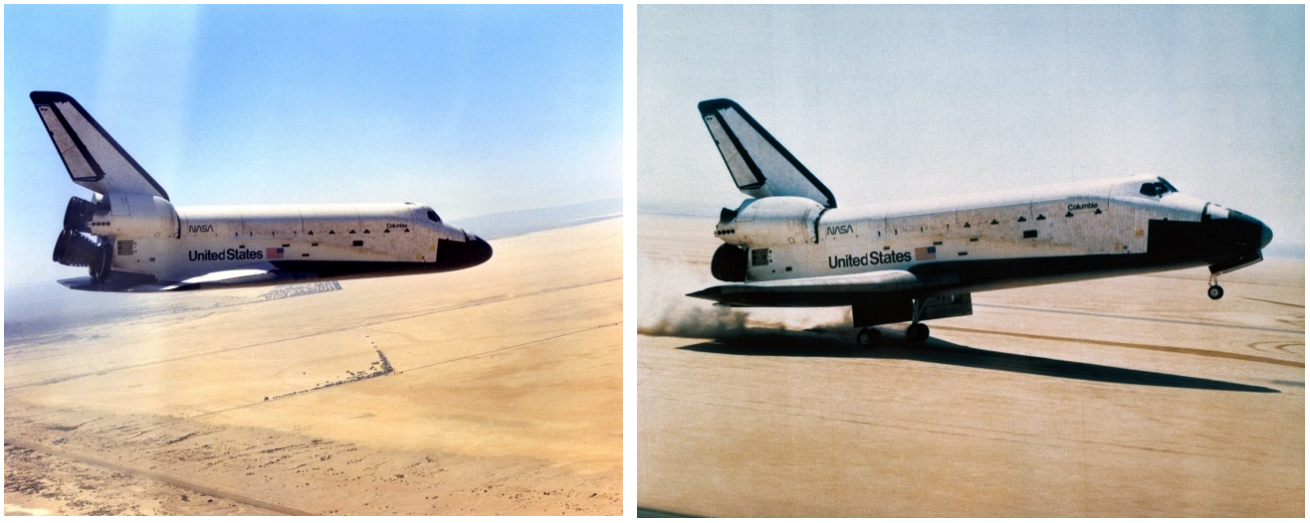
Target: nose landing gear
x=1215 y=292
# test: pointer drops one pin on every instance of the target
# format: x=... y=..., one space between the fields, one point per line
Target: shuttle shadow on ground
x=812 y=344
x=643 y=512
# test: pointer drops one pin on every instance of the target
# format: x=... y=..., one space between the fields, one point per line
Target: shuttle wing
x=825 y=291
x=119 y=281
x=236 y=278
x=93 y=159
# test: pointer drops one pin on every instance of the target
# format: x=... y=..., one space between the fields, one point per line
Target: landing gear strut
x=868 y=337
x=1215 y=292
x=917 y=332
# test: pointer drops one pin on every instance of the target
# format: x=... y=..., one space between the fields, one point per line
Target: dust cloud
x=665 y=310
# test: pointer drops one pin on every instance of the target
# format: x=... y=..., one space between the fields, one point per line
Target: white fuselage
x=151 y=237
x=1104 y=217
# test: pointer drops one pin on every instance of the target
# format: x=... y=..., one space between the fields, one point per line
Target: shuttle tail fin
x=93 y=159
x=759 y=165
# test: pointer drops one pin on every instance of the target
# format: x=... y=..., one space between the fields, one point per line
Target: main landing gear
x=916 y=333
x=868 y=337
x=1215 y=292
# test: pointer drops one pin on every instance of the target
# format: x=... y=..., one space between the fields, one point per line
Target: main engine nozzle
x=78 y=215
x=729 y=263
x=75 y=250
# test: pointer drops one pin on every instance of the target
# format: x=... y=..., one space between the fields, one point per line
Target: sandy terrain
x=494 y=390
x=84 y=485
x=1133 y=396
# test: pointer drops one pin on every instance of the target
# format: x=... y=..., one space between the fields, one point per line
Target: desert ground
x=1133 y=396
x=493 y=390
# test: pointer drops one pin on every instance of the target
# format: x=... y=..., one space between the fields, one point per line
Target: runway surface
x=1134 y=396
x=495 y=390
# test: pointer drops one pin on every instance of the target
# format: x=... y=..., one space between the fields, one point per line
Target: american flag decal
x=273 y=253
x=925 y=253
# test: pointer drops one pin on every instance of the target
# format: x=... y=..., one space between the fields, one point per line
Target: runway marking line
x=1294 y=305
x=158 y=476
x=1135 y=318
x=1161 y=348
x=512 y=346
x=1168 y=276
x=982 y=433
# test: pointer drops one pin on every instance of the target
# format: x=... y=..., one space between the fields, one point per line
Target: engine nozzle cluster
x=77 y=250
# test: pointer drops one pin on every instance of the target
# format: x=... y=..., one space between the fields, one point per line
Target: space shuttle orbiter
x=133 y=238
x=789 y=245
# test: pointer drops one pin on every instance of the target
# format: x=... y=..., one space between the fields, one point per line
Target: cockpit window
x=432 y=215
x=1157 y=188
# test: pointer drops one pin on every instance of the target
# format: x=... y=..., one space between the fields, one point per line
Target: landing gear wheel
x=916 y=333
x=868 y=337
x=1215 y=292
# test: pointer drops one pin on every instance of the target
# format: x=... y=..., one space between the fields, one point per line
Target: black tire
x=1215 y=292
x=917 y=333
x=868 y=338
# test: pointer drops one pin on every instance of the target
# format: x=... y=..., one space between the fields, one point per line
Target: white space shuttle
x=133 y=238
x=790 y=245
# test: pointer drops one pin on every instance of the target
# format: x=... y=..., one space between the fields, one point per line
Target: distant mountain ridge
x=516 y=223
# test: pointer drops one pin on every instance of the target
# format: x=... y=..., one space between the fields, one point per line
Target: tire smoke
x=667 y=311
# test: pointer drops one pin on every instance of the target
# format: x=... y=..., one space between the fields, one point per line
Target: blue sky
x=471 y=109
x=894 y=103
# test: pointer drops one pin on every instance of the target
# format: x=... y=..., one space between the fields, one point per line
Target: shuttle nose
x=480 y=250
x=452 y=254
x=1251 y=232
x=1266 y=235
x=1241 y=238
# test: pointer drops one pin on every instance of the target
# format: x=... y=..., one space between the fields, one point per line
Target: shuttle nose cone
x=453 y=255
x=480 y=250
x=1251 y=232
